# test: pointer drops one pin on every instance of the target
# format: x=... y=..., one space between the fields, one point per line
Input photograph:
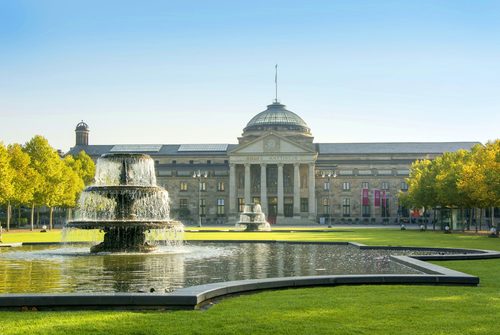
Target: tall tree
x=49 y=166
x=480 y=179
x=73 y=183
x=6 y=175
x=24 y=179
x=86 y=167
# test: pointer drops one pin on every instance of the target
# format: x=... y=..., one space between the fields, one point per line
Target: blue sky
x=197 y=71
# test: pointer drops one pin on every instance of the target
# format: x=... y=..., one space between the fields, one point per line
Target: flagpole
x=276 y=83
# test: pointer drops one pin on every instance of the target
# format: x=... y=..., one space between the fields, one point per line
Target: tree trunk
x=475 y=219
x=480 y=218
x=462 y=217
x=425 y=218
x=51 y=216
x=493 y=217
x=434 y=219
x=451 y=218
x=68 y=214
x=32 y=216
x=19 y=216
x=9 y=207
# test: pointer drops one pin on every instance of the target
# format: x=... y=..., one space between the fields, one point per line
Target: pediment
x=271 y=143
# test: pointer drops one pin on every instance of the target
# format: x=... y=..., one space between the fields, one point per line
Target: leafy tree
x=448 y=168
x=73 y=181
x=86 y=167
x=6 y=175
x=460 y=179
x=24 y=178
x=480 y=178
x=421 y=191
x=83 y=165
x=50 y=168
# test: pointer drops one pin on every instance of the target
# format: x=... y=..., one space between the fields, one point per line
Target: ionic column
x=232 y=191
x=248 y=196
x=263 y=188
x=296 y=190
x=280 y=192
x=312 y=192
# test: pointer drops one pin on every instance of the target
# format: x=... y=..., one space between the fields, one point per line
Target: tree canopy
x=36 y=175
x=465 y=179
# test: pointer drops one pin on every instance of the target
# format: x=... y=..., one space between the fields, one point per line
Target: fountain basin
x=187 y=278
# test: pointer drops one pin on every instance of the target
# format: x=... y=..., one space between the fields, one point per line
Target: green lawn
x=326 y=310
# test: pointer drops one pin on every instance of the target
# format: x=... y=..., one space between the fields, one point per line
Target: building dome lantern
x=82 y=126
x=82 y=133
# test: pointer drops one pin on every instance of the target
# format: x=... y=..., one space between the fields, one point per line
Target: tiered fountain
x=125 y=203
x=252 y=219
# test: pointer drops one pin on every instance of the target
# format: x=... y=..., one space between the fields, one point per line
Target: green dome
x=276 y=117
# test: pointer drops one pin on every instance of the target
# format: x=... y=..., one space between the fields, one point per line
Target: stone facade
x=305 y=182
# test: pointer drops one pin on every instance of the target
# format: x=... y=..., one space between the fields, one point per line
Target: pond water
x=64 y=269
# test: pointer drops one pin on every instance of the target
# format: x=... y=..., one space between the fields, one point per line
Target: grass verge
x=322 y=310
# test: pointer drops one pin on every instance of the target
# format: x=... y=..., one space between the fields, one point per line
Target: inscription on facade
x=276 y=159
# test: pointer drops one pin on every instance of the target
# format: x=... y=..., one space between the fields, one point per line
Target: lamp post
x=329 y=175
x=199 y=175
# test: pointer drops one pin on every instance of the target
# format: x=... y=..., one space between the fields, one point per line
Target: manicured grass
x=322 y=310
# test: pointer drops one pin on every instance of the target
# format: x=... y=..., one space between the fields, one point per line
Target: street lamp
x=329 y=175
x=199 y=175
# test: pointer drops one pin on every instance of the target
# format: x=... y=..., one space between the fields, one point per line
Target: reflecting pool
x=71 y=268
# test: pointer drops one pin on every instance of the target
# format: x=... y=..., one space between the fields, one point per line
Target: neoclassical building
x=277 y=163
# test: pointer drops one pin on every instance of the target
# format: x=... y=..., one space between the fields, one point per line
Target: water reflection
x=57 y=269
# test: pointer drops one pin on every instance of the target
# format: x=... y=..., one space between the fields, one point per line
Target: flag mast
x=276 y=83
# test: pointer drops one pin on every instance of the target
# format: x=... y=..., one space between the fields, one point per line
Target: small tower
x=82 y=133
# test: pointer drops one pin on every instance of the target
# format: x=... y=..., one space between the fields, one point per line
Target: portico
x=277 y=173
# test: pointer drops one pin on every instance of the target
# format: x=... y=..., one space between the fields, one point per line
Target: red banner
x=376 y=198
x=365 y=200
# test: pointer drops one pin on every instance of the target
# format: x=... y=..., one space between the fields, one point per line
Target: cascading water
x=253 y=219
x=126 y=204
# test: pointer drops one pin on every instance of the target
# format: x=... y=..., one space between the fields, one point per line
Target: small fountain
x=253 y=219
x=125 y=203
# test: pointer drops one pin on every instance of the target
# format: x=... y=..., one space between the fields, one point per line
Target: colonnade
x=280 y=194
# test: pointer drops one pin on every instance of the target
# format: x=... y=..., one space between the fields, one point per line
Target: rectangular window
x=220 y=207
x=256 y=200
x=191 y=161
x=184 y=186
x=304 y=205
x=346 y=207
x=384 y=185
x=326 y=186
x=203 y=207
x=326 y=206
x=209 y=162
x=174 y=162
x=365 y=185
x=203 y=186
x=346 y=186
x=404 y=186
x=241 y=205
x=220 y=186
x=385 y=208
x=183 y=203
x=366 y=211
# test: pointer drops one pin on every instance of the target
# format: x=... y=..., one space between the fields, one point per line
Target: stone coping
x=194 y=296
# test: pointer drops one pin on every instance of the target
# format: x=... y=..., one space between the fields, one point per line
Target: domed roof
x=82 y=126
x=276 y=117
